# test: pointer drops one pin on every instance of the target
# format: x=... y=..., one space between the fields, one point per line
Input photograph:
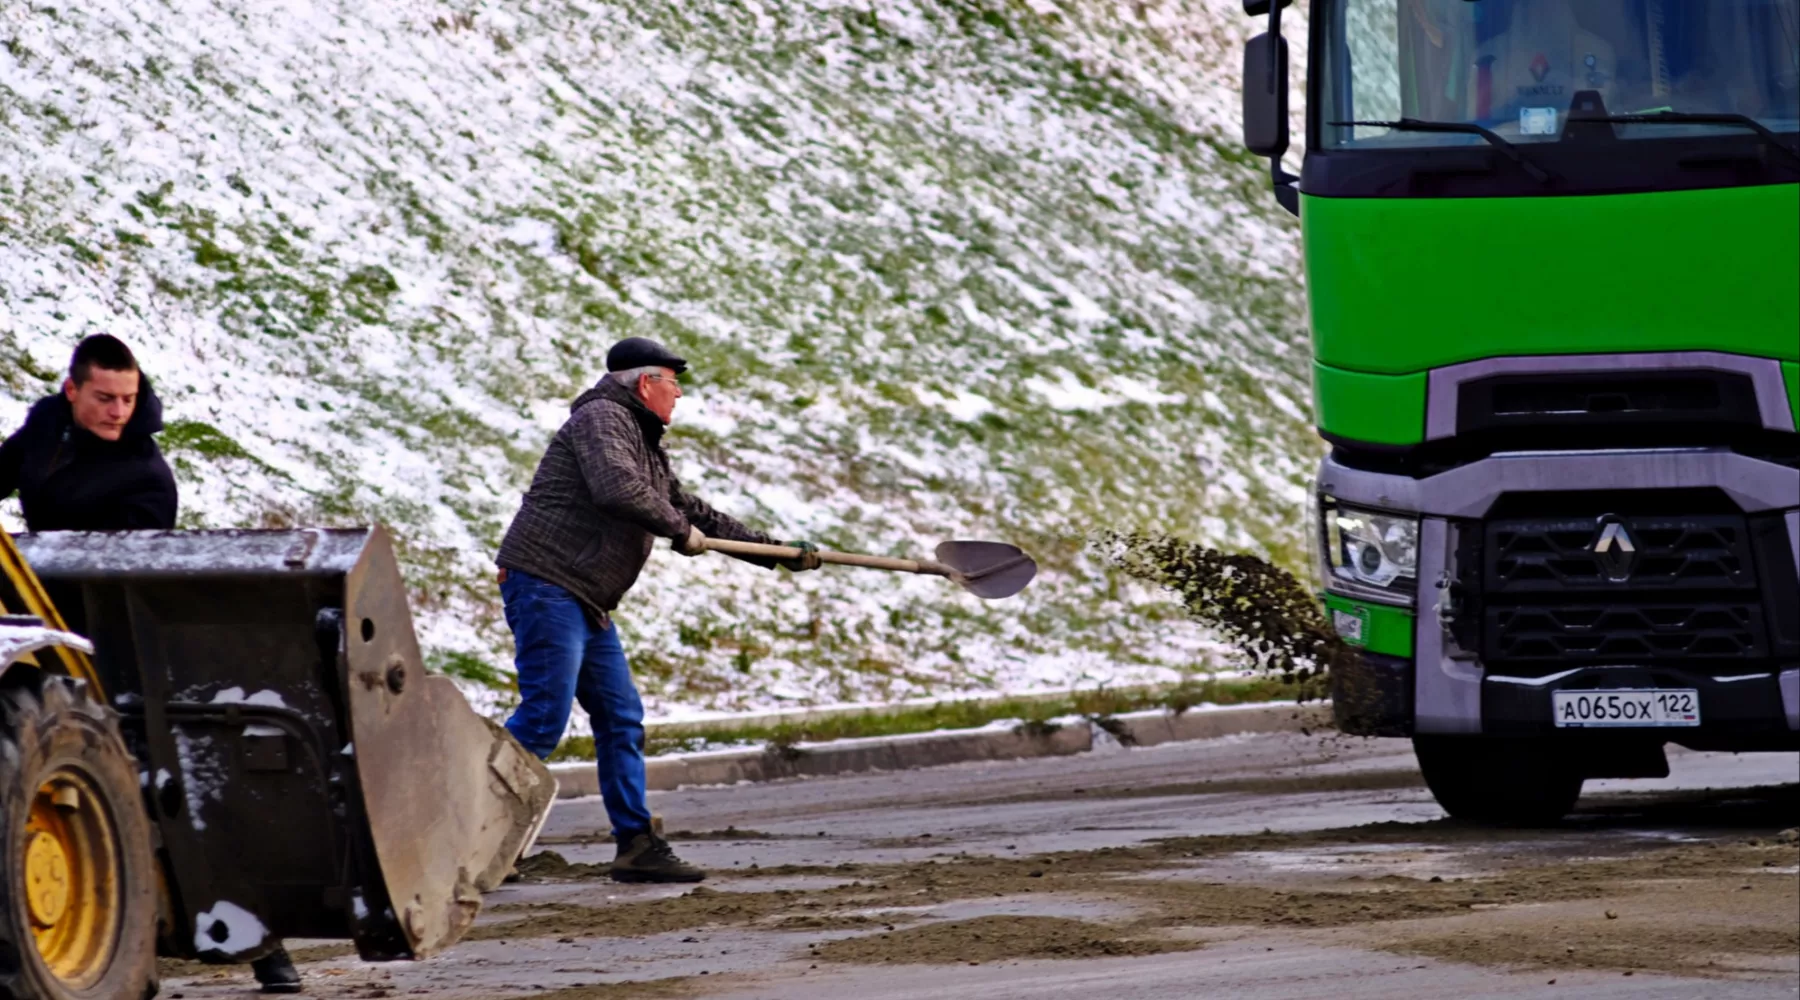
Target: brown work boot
x=647 y=858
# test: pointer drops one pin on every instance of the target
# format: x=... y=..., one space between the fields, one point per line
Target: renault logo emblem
x=1616 y=551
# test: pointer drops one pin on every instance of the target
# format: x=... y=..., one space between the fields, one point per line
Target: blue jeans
x=562 y=657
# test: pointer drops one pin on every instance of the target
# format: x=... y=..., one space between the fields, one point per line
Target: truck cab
x=1553 y=263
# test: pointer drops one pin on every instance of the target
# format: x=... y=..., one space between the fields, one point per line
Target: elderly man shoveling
x=603 y=493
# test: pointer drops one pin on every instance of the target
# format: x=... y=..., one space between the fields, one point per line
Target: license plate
x=1642 y=707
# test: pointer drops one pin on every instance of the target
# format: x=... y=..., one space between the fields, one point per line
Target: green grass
x=202 y=438
x=1100 y=705
x=471 y=668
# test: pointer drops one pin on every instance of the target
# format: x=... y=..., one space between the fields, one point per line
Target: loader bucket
x=308 y=777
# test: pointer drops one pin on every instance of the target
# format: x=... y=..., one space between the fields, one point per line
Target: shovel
x=989 y=570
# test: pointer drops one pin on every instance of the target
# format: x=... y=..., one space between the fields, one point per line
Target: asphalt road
x=1277 y=866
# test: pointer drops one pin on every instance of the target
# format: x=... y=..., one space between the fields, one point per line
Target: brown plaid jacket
x=603 y=493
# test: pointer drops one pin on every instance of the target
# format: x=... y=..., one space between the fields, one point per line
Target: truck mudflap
x=308 y=777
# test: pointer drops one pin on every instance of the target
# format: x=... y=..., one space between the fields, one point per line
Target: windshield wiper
x=1769 y=135
x=1463 y=128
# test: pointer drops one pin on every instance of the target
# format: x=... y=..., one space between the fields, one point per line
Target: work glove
x=807 y=559
x=692 y=545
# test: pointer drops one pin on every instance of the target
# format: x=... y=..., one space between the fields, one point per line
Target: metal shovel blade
x=989 y=570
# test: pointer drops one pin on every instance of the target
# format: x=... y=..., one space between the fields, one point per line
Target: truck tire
x=1498 y=781
x=78 y=907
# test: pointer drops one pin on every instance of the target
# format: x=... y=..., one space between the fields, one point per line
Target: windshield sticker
x=1351 y=626
x=1595 y=78
x=1537 y=121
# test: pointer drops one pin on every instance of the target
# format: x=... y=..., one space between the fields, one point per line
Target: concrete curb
x=803 y=716
x=577 y=779
x=1149 y=729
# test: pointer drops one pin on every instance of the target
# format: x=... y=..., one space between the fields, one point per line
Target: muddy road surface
x=1259 y=867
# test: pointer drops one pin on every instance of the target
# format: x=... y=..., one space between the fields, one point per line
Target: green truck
x=1553 y=260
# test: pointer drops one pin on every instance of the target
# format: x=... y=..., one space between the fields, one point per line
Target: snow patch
x=1069 y=393
x=203 y=775
x=236 y=696
x=229 y=929
x=959 y=403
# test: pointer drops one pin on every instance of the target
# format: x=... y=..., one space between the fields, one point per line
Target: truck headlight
x=1368 y=553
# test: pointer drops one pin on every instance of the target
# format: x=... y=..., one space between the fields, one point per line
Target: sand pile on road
x=549 y=866
x=989 y=939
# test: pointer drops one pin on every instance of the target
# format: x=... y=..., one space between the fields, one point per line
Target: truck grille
x=1625 y=633
x=1664 y=588
x=1615 y=401
x=1556 y=556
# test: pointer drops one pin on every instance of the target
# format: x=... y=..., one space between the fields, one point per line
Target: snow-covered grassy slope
x=981 y=268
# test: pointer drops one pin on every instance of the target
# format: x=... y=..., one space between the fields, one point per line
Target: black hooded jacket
x=70 y=480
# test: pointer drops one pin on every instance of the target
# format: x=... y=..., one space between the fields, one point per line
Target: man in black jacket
x=85 y=459
x=603 y=493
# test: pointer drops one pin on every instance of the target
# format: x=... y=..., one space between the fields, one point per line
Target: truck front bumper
x=1441 y=688
x=1374 y=695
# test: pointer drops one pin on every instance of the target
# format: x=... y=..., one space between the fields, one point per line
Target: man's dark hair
x=104 y=351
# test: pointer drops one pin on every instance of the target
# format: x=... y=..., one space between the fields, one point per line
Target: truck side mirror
x=1266 y=95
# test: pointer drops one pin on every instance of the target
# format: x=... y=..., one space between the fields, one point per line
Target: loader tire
x=1498 y=782
x=78 y=898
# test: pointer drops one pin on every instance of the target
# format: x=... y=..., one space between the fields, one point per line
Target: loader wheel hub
x=46 y=879
x=72 y=873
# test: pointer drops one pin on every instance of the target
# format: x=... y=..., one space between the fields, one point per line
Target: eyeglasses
x=663 y=378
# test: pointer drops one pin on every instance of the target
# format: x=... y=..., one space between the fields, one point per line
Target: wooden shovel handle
x=840 y=558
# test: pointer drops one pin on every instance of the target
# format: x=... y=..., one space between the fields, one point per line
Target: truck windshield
x=1516 y=66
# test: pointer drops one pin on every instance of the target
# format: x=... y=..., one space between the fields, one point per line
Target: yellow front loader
x=212 y=741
